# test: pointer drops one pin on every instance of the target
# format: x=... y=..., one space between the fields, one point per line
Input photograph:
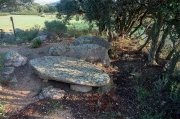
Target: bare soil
x=120 y=103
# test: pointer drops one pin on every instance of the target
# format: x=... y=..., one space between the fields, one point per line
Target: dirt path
x=25 y=92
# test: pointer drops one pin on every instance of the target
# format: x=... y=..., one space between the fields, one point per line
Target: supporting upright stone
x=80 y=88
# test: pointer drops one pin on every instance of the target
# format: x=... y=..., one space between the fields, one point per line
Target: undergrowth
x=2 y=109
x=21 y=36
x=36 y=43
x=160 y=102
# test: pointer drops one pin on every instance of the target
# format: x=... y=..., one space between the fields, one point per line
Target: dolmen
x=75 y=64
x=81 y=75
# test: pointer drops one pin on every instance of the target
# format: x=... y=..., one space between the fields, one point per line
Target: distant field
x=23 y=21
x=28 y=21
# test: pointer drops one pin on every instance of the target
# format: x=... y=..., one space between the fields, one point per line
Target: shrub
x=36 y=43
x=78 y=32
x=160 y=102
x=4 y=14
x=27 y=35
x=55 y=27
x=25 y=13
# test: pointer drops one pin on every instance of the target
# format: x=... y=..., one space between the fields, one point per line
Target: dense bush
x=55 y=27
x=77 y=32
x=36 y=43
x=27 y=35
x=2 y=33
x=4 y=14
x=160 y=102
x=25 y=13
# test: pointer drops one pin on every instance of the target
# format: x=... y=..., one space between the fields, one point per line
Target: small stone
x=1 y=87
x=131 y=77
x=52 y=93
x=116 y=68
x=8 y=70
x=131 y=59
x=136 y=74
x=125 y=56
x=41 y=96
x=80 y=88
x=13 y=58
x=14 y=79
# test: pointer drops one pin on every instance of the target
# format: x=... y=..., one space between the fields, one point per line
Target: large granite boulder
x=88 y=52
x=13 y=58
x=92 y=40
x=7 y=70
x=54 y=50
x=69 y=70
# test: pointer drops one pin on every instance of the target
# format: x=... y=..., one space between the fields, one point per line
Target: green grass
x=23 y=21
x=28 y=21
x=1 y=109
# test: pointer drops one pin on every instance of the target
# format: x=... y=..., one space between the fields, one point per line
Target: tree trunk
x=120 y=39
x=140 y=24
x=161 y=44
x=170 y=54
x=109 y=36
x=147 y=41
x=155 y=36
x=173 y=62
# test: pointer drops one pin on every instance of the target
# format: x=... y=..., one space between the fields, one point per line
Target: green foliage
x=36 y=43
x=77 y=32
x=27 y=35
x=67 y=7
x=100 y=11
x=55 y=27
x=162 y=101
x=2 y=109
x=4 y=14
x=12 y=3
x=25 y=13
x=175 y=92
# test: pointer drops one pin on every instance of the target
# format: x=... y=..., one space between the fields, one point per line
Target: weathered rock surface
x=13 y=58
x=54 y=50
x=92 y=40
x=53 y=93
x=5 y=77
x=7 y=70
x=69 y=70
x=88 y=52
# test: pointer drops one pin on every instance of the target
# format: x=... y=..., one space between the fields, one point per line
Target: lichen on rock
x=69 y=70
